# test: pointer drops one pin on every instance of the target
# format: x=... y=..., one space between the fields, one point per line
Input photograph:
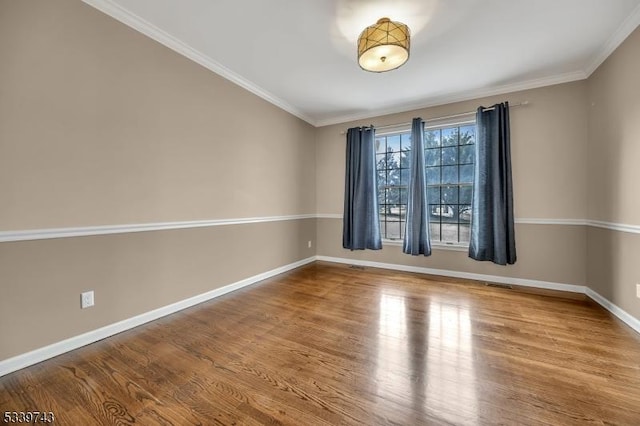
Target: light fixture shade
x=383 y=46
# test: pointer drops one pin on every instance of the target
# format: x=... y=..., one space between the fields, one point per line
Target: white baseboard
x=456 y=274
x=620 y=313
x=21 y=361
x=623 y=315
x=38 y=355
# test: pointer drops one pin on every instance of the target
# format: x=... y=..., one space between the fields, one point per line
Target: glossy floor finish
x=329 y=344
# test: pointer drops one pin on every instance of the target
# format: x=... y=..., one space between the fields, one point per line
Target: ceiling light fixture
x=383 y=46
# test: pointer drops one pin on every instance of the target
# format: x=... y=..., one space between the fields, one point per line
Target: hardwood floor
x=326 y=344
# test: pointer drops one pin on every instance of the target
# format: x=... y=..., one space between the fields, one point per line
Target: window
x=392 y=159
x=449 y=156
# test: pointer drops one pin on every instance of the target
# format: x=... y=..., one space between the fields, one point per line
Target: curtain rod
x=461 y=114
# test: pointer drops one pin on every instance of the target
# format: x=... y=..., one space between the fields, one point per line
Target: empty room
x=405 y=212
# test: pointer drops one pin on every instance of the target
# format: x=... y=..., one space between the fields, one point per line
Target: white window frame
x=438 y=245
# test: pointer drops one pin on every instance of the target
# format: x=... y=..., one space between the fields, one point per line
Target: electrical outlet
x=638 y=290
x=86 y=299
x=309 y=244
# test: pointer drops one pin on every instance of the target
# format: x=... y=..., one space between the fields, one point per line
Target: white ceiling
x=301 y=54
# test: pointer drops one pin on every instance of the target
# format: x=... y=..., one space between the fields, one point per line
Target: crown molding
x=628 y=26
x=458 y=97
x=139 y=24
x=119 y=13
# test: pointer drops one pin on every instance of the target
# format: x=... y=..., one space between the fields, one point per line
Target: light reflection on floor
x=392 y=365
x=437 y=350
x=451 y=378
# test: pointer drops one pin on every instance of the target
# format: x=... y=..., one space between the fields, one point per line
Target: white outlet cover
x=86 y=299
x=638 y=291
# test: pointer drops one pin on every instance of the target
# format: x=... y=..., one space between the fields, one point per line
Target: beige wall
x=539 y=248
x=612 y=267
x=576 y=150
x=100 y=125
x=614 y=136
x=548 y=139
x=131 y=274
x=614 y=175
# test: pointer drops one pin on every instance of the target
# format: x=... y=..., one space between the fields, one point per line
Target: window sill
x=434 y=246
x=450 y=247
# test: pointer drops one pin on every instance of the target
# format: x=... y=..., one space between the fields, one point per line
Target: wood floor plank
x=327 y=344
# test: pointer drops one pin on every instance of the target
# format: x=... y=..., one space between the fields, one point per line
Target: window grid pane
x=450 y=213
x=393 y=173
x=449 y=158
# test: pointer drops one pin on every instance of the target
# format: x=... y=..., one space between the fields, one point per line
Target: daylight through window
x=449 y=156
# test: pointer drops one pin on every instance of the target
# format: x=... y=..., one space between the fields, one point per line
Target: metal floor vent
x=497 y=285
